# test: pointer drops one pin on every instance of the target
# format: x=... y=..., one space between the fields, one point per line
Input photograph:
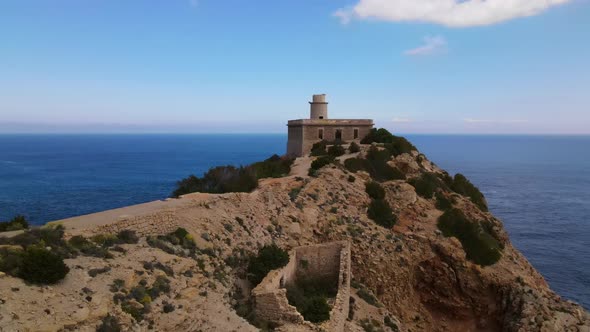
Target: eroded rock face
x=411 y=274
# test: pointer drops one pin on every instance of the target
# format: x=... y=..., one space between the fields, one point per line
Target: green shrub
x=376 y=167
x=426 y=185
x=15 y=224
x=442 y=202
x=41 y=266
x=354 y=148
x=375 y=190
x=218 y=180
x=367 y=296
x=89 y=248
x=273 y=167
x=336 y=150
x=390 y=323
x=310 y=296
x=319 y=148
x=355 y=164
x=380 y=212
x=11 y=260
x=400 y=145
x=109 y=324
x=380 y=135
x=270 y=257
x=395 y=144
x=47 y=236
x=464 y=187
x=294 y=193
x=127 y=236
x=319 y=163
x=376 y=154
x=479 y=245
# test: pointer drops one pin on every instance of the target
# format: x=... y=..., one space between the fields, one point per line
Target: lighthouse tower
x=318 y=107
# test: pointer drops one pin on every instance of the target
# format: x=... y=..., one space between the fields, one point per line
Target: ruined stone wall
x=153 y=224
x=331 y=260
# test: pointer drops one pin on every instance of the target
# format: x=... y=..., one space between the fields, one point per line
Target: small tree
x=354 y=148
x=336 y=150
x=41 y=266
x=380 y=212
x=270 y=257
x=375 y=190
x=15 y=224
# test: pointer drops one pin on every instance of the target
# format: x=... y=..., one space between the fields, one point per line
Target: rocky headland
x=415 y=269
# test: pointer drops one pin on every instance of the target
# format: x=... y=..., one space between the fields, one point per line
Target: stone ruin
x=323 y=261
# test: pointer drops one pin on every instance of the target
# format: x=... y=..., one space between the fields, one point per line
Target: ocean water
x=538 y=185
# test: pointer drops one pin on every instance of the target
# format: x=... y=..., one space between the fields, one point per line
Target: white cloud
x=453 y=13
x=432 y=45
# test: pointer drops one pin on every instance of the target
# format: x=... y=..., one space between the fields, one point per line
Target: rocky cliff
x=410 y=277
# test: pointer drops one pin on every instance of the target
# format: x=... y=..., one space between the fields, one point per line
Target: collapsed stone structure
x=329 y=261
x=303 y=133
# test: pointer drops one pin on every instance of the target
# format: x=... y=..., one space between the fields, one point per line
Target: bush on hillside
x=354 y=147
x=377 y=154
x=41 y=266
x=310 y=296
x=50 y=237
x=273 y=167
x=319 y=148
x=426 y=185
x=270 y=257
x=319 y=163
x=464 y=187
x=376 y=165
x=15 y=224
x=479 y=245
x=442 y=202
x=380 y=212
x=395 y=144
x=375 y=190
x=218 y=180
x=336 y=150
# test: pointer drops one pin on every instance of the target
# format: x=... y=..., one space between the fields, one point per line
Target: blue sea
x=538 y=185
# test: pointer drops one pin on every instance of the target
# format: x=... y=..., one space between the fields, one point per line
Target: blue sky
x=415 y=66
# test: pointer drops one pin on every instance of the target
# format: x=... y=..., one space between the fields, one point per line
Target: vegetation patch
x=319 y=163
x=136 y=301
x=375 y=190
x=376 y=165
x=15 y=224
x=380 y=212
x=395 y=144
x=464 y=187
x=226 y=179
x=310 y=297
x=427 y=184
x=479 y=244
x=218 y=180
x=273 y=167
x=41 y=266
x=179 y=243
x=270 y=257
x=319 y=149
x=443 y=203
x=354 y=147
x=336 y=150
